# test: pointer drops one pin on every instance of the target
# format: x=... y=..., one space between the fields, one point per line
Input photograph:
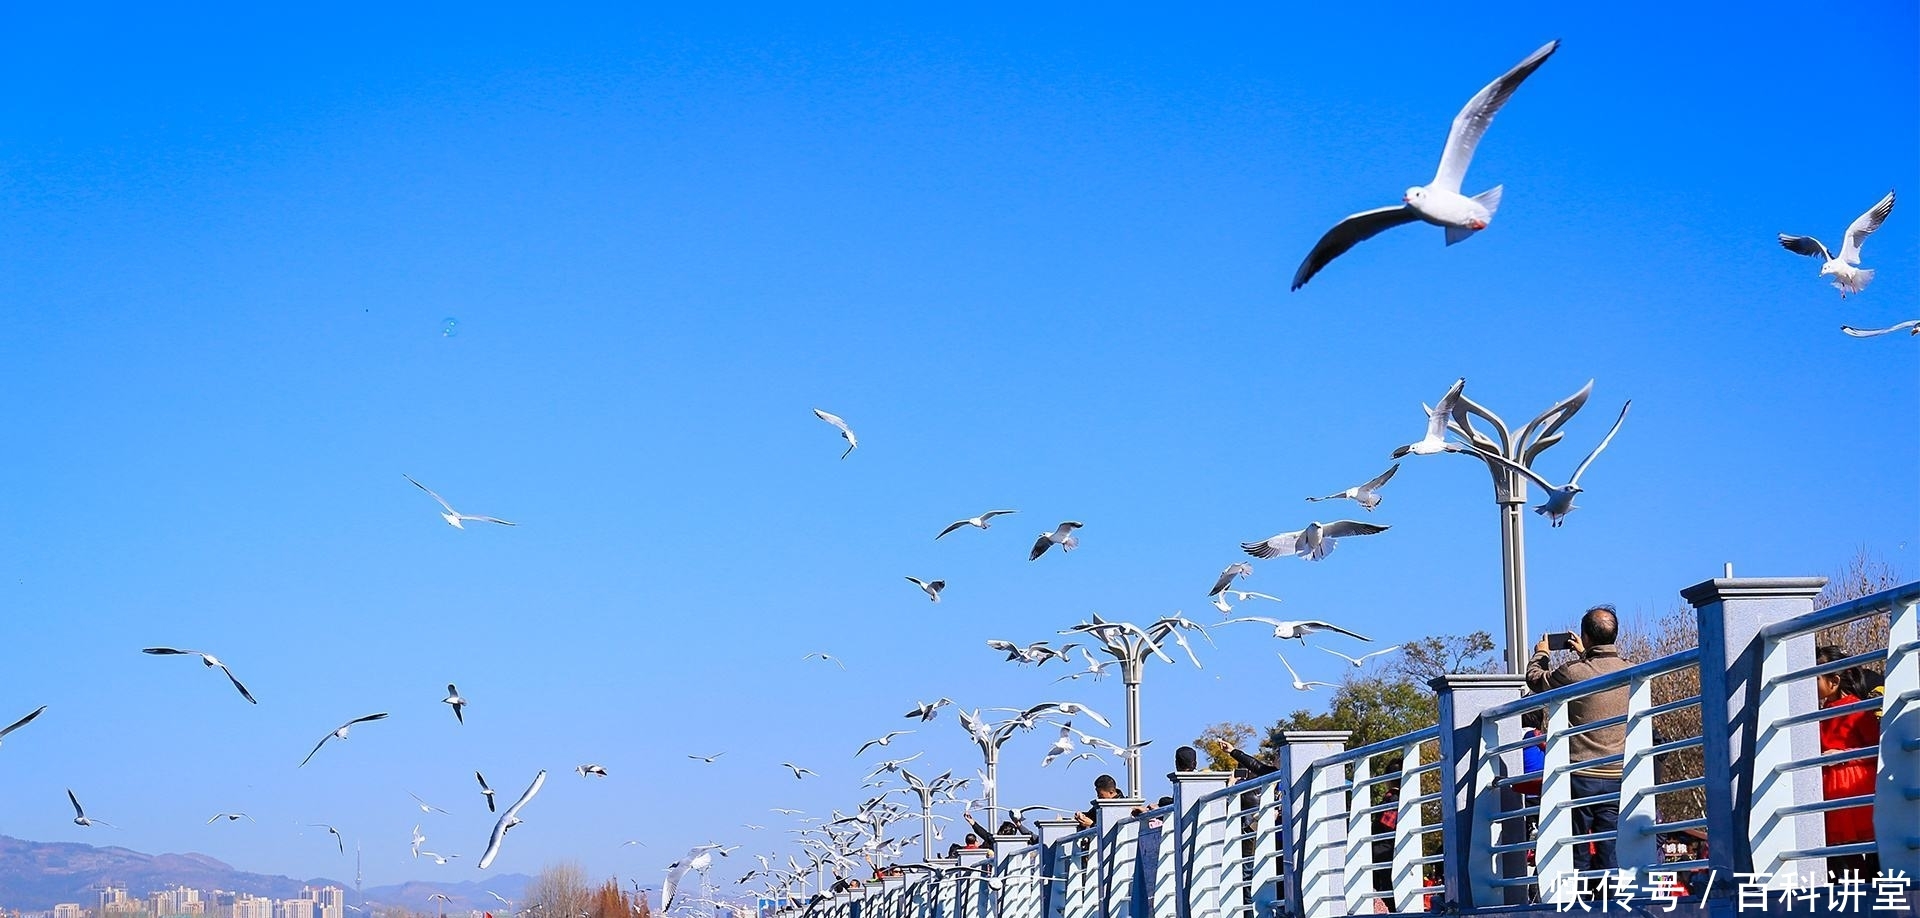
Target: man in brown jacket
x=1594 y=655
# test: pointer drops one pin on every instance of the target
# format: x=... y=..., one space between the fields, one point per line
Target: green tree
x=1216 y=739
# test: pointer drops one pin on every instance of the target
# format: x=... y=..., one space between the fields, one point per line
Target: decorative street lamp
x=1510 y=494
x=1131 y=644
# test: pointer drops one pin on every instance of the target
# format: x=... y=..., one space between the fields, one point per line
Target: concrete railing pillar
x=1314 y=836
x=1054 y=891
x=1462 y=698
x=1743 y=793
x=1896 y=814
x=1197 y=837
x=1116 y=843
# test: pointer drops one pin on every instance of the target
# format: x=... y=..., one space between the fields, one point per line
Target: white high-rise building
x=69 y=910
x=294 y=908
x=329 y=901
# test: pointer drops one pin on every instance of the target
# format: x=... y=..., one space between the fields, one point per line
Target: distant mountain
x=35 y=876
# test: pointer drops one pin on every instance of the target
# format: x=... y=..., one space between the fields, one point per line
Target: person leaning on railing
x=1595 y=656
x=1858 y=730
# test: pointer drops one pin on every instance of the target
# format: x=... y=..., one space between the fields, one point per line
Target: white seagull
x=340 y=732
x=337 y=838
x=882 y=741
x=485 y=791
x=509 y=819
x=1847 y=276
x=845 y=431
x=978 y=522
x=824 y=656
x=22 y=721
x=1366 y=495
x=1362 y=659
x=931 y=587
x=1296 y=631
x=426 y=807
x=1061 y=746
x=454 y=517
x=1297 y=683
x=1062 y=536
x=1239 y=569
x=590 y=770
x=80 y=815
x=798 y=772
x=1312 y=543
x=928 y=710
x=1440 y=202
x=206 y=658
x=1559 y=501
x=230 y=817
x=1435 y=441
x=709 y=759
x=1911 y=325
x=453 y=698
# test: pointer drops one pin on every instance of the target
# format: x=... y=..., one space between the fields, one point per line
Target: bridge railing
x=1721 y=743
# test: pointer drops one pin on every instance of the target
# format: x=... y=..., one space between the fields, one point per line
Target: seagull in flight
x=1312 y=543
x=485 y=791
x=440 y=859
x=978 y=522
x=453 y=698
x=1911 y=325
x=590 y=770
x=845 y=431
x=454 y=517
x=709 y=759
x=1848 y=277
x=1367 y=495
x=418 y=840
x=1220 y=601
x=882 y=741
x=80 y=815
x=230 y=817
x=1238 y=569
x=1440 y=201
x=426 y=807
x=1069 y=708
x=1095 y=668
x=931 y=587
x=798 y=772
x=22 y=721
x=1296 y=631
x=340 y=732
x=824 y=656
x=893 y=764
x=1559 y=501
x=1297 y=683
x=1362 y=659
x=788 y=812
x=1085 y=755
x=1435 y=441
x=1062 y=536
x=1061 y=746
x=509 y=819
x=337 y=839
x=928 y=710
x=205 y=658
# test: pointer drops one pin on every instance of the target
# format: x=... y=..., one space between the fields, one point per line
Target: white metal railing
x=1404 y=787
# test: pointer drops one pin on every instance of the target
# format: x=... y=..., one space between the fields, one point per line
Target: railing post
x=1116 y=846
x=1469 y=867
x=1054 y=892
x=1315 y=832
x=1742 y=790
x=1894 y=796
x=1197 y=834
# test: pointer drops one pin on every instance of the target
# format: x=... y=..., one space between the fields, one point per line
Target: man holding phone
x=1594 y=655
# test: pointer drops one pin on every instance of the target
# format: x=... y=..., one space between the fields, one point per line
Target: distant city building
x=69 y=910
x=328 y=901
x=295 y=908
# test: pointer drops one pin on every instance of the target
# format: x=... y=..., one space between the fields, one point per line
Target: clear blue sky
x=1038 y=260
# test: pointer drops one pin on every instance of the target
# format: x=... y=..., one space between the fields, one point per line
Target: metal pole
x=993 y=787
x=1513 y=563
x=1130 y=671
x=926 y=830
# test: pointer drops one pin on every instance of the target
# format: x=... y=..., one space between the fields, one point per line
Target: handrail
x=1618 y=678
x=1841 y=612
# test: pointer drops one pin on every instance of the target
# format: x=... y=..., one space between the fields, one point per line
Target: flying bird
x=509 y=819
x=1296 y=631
x=1069 y=708
x=340 y=733
x=1312 y=543
x=1440 y=202
x=454 y=517
x=590 y=770
x=798 y=772
x=230 y=817
x=337 y=838
x=1367 y=495
x=485 y=791
x=1062 y=536
x=1362 y=659
x=978 y=522
x=709 y=759
x=931 y=587
x=1238 y=569
x=928 y=710
x=426 y=807
x=1911 y=325
x=1297 y=683
x=882 y=741
x=440 y=859
x=824 y=656
x=1847 y=276
x=1061 y=746
x=1559 y=501
x=845 y=431
x=22 y=721
x=208 y=660
x=454 y=700
x=1435 y=441
x=80 y=815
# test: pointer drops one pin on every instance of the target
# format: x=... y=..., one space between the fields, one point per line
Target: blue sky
x=1037 y=259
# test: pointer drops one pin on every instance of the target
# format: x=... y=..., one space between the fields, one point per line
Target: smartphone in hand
x=1560 y=640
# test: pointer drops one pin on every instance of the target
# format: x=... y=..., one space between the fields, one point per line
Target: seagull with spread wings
x=338 y=839
x=882 y=741
x=708 y=759
x=977 y=522
x=456 y=702
x=1312 y=543
x=80 y=817
x=1911 y=326
x=426 y=807
x=591 y=770
x=1848 y=277
x=22 y=721
x=1297 y=682
x=1440 y=201
x=1362 y=659
x=1366 y=495
x=340 y=732
x=230 y=817
x=454 y=517
x=930 y=587
x=1435 y=440
x=798 y=772
x=846 y=432
x=209 y=660
x=1559 y=501
x=1237 y=570
x=823 y=655
x=1062 y=536
x=508 y=820
x=1296 y=631
x=928 y=710
x=485 y=791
